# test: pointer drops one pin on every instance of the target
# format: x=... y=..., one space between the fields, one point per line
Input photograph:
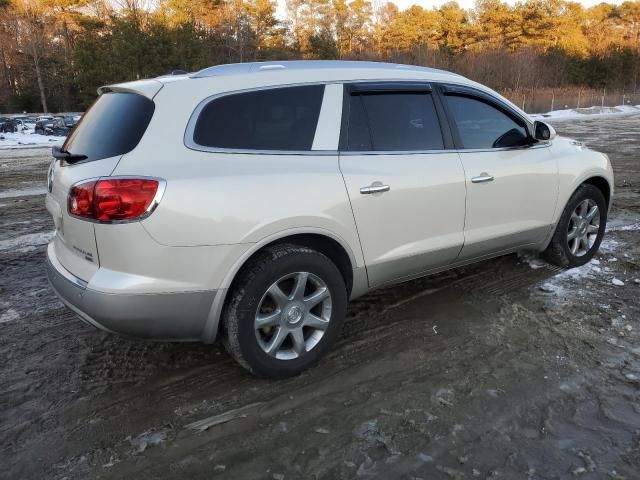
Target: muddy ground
x=506 y=369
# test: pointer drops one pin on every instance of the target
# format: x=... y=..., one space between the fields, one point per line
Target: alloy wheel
x=583 y=228
x=293 y=315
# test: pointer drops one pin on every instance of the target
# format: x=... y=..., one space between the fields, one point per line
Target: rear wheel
x=580 y=229
x=285 y=311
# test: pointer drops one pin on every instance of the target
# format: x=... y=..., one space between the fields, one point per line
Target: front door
x=407 y=189
x=512 y=181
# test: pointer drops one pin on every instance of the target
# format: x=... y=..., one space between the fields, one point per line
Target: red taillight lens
x=113 y=199
x=81 y=200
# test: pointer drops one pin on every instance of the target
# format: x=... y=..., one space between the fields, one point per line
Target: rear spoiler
x=147 y=88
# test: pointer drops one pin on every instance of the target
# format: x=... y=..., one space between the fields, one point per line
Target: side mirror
x=543 y=131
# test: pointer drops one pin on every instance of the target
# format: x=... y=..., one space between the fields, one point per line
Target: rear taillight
x=114 y=199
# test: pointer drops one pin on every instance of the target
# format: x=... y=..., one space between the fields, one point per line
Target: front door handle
x=483 y=177
x=374 y=188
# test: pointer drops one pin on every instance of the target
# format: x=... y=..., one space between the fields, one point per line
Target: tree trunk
x=66 y=79
x=36 y=63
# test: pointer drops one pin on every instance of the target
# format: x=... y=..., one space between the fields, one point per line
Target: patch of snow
x=624 y=228
x=27 y=139
x=23 y=192
x=588 y=270
x=590 y=112
x=147 y=439
x=617 y=282
x=534 y=261
x=609 y=245
x=26 y=243
x=550 y=288
x=9 y=316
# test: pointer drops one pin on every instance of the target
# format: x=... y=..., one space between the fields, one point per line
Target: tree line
x=55 y=53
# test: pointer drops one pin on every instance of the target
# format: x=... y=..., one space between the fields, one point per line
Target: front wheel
x=285 y=311
x=580 y=228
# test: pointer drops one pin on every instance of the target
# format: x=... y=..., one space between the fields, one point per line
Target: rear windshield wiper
x=68 y=157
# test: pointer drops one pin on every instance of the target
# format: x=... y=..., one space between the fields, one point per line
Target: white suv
x=252 y=201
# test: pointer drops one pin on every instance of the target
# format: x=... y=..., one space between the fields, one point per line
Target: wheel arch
x=597 y=180
x=323 y=241
x=601 y=184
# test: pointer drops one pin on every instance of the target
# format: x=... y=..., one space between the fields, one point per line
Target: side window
x=393 y=121
x=274 y=119
x=482 y=125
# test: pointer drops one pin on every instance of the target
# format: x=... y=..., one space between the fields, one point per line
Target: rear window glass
x=112 y=126
x=399 y=121
x=274 y=119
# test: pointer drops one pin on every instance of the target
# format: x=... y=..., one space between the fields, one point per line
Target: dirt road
x=507 y=369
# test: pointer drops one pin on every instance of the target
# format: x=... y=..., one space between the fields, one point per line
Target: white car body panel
x=74 y=242
x=220 y=206
x=418 y=224
x=520 y=175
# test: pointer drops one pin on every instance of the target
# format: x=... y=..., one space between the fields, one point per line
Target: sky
x=463 y=3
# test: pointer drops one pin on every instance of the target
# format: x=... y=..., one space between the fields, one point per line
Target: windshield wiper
x=68 y=157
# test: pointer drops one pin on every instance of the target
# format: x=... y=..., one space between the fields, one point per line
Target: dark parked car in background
x=57 y=126
x=60 y=126
x=10 y=125
x=43 y=125
x=72 y=120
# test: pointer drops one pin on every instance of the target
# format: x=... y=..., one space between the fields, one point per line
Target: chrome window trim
x=395 y=152
x=434 y=152
x=504 y=149
x=191 y=144
x=162 y=186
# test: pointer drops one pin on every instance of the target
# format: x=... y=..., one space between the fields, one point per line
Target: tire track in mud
x=376 y=334
x=348 y=353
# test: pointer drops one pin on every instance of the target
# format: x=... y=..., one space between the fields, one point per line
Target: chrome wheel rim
x=293 y=315
x=583 y=228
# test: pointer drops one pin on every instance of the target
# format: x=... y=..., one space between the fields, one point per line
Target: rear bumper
x=179 y=316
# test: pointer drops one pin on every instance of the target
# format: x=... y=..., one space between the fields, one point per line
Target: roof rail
x=251 y=67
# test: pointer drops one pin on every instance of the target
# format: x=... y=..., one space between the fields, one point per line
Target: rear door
x=111 y=127
x=405 y=183
x=512 y=180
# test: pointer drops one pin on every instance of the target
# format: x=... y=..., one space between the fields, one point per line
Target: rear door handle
x=374 y=188
x=483 y=177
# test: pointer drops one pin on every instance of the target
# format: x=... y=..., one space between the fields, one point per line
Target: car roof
x=227 y=77
x=294 y=71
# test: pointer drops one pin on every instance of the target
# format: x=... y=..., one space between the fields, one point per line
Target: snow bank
x=27 y=140
x=591 y=112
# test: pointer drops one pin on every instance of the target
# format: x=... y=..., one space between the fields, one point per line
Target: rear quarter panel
x=234 y=198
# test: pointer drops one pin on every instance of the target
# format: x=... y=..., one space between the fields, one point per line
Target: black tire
x=558 y=252
x=267 y=267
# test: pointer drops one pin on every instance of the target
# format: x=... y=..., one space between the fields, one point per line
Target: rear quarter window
x=273 y=119
x=112 y=126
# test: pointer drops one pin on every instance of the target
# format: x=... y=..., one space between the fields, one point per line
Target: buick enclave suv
x=251 y=202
